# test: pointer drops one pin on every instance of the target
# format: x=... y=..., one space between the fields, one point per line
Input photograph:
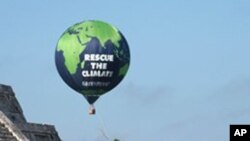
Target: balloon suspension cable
x=103 y=128
x=104 y=135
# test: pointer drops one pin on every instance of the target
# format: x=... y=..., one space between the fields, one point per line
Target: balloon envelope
x=92 y=57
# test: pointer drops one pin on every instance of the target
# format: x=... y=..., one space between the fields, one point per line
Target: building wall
x=9 y=104
x=12 y=109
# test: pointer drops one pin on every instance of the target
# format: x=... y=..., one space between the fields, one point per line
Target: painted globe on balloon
x=92 y=57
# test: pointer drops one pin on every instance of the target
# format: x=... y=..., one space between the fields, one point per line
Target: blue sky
x=189 y=77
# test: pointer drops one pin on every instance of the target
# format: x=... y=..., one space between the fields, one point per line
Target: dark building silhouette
x=14 y=126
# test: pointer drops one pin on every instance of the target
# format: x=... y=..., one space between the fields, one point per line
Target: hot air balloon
x=92 y=57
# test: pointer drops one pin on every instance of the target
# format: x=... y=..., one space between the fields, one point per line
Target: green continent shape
x=71 y=48
x=74 y=40
x=123 y=70
x=100 y=30
x=82 y=64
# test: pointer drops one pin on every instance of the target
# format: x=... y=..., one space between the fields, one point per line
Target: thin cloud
x=232 y=99
x=225 y=105
x=148 y=95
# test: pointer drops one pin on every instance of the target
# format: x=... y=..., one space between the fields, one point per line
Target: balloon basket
x=92 y=110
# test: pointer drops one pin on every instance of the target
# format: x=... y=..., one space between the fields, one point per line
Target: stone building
x=14 y=126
